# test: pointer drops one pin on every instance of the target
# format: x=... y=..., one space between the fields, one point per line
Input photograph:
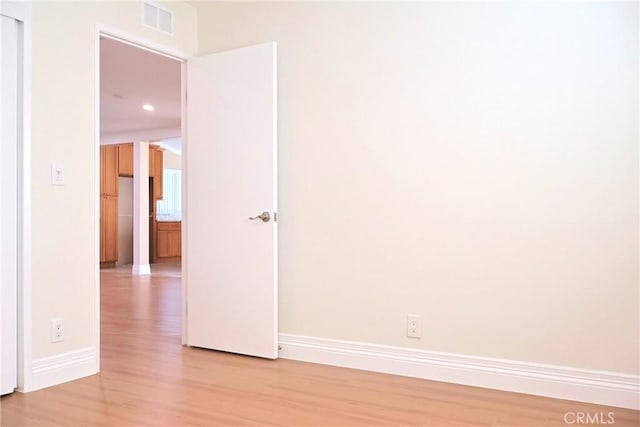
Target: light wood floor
x=147 y=378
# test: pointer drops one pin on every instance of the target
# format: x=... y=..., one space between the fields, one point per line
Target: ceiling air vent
x=157 y=17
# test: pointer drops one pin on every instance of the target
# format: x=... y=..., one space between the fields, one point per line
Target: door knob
x=264 y=216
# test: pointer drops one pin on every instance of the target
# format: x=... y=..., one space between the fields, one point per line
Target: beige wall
x=64 y=238
x=476 y=164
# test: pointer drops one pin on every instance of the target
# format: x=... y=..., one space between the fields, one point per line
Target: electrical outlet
x=57 y=330
x=414 y=326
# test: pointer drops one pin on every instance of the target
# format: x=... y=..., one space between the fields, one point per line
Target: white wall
x=171 y=160
x=64 y=127
x=476 y=164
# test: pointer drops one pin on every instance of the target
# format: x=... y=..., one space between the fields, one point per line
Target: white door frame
x=10 y=58
x=21 y=11
x=146 y=44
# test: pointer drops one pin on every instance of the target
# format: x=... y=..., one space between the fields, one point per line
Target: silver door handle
x=264 y=216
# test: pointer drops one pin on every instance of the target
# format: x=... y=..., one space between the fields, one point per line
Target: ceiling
x=129 y=78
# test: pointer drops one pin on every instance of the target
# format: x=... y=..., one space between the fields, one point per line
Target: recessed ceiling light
x=148 y=107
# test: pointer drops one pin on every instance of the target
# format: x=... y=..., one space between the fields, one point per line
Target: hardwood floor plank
x=148 y=379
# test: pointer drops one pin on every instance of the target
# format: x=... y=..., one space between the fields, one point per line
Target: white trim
x=185 y=224
x=141 y=270
x=25 y=330
x=10 y=206
x=96 y=197
x=605 y=388
x=140 y=42
x=21 y=11
x=64 y=367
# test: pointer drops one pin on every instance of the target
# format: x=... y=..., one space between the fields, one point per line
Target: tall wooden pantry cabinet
x=108 y=205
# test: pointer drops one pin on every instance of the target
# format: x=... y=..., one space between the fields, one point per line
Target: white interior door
x=231 y=260
x=8 y=202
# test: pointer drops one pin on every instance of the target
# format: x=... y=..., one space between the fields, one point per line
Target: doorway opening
x=140 y=145
x=140 y=148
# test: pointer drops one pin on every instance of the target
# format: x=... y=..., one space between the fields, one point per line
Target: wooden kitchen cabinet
x=152 y=160
x=156 y=165
x=125 y=160
x=115 y=161
x=169 y=241
x=108 y=229
x=109 y=170
x=108 y=204
x=156 y=168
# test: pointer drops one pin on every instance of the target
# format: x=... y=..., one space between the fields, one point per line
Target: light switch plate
x=57 y=174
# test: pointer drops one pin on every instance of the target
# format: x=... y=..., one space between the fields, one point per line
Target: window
x=170 y=207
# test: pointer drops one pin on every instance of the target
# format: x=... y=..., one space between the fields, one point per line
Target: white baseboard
x=141 y=270
x=604 y=388
x=64 y=367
